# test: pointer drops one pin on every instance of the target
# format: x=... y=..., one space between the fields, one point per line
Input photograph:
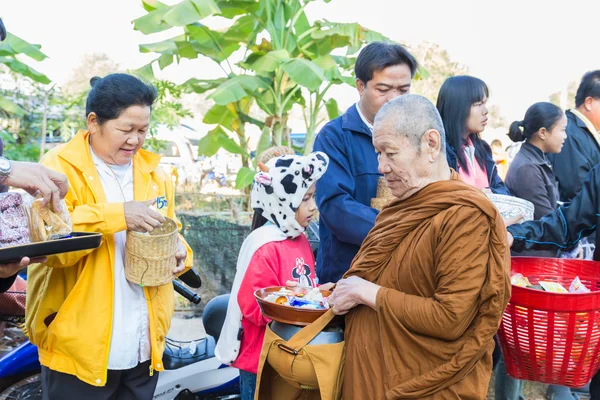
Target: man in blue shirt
x=581 y=151
x=383 y=72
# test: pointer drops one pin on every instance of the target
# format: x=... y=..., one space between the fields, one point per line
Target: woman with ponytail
x=530 y=175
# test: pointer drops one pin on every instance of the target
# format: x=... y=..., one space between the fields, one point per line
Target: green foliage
x=286 y=61
x=10 y=48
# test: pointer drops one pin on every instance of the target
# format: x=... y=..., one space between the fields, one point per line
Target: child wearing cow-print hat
x=275 y=252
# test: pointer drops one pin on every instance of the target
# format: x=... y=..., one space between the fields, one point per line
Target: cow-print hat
x=280 y=186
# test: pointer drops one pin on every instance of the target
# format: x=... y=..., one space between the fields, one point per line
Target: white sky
x=523 y=49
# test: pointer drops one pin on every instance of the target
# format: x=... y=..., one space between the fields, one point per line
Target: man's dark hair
x=2 y=31
x=111 y=95
x=589 y=87
x=379 y=55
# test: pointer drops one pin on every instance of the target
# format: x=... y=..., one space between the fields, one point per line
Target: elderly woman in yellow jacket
x=100 y=336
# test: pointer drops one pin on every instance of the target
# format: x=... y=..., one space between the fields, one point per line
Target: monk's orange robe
x=442 y=259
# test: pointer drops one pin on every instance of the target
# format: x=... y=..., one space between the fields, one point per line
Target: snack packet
x=13 y=221
x=553 y=287
x=519 y=280
x=45 y=223
x=578 y=287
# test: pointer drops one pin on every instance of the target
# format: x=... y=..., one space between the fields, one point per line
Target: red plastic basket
x=552 y=337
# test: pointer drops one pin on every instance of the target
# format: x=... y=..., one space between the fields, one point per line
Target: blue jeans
x=247 y=385
x=508 y=388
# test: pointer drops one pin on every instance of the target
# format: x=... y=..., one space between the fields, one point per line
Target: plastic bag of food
x=553 y=287
x=45 y=223
x=519 y=280
x=14 y=226
x=578 y=287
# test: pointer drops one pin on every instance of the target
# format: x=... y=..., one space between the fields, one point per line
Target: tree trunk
x=44 y=121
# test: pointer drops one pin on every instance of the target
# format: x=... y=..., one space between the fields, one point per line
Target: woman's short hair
x=114 y=93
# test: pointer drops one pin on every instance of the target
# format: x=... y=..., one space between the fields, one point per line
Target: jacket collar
x=534 y=154
x=353 y=122
x=579 y=121
x=77 y=153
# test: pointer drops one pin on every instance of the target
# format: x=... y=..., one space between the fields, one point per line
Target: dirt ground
x=532 y=391
x=185 y=327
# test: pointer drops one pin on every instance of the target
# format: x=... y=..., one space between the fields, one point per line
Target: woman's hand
x=353 y=291
x=140 y=217
x=181 y=255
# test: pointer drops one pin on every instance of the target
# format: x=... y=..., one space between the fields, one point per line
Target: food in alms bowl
x=313 y=299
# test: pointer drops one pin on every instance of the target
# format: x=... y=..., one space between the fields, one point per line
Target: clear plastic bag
x=24 y=220
x=14 y=224
x=45 y=223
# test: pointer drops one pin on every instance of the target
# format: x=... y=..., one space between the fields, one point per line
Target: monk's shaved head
x=411 y=116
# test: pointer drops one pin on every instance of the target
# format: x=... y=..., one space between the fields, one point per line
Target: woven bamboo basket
x=150 y=257
x=384 y=195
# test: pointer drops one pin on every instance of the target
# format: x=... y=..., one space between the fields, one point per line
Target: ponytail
x=538 y=116
x=515 y=132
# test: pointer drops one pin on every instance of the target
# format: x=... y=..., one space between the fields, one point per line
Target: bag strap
x=308 y=333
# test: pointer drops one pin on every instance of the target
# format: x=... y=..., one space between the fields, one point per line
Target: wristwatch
x=5 y=168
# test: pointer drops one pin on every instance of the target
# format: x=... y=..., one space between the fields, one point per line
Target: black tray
x=78 y=241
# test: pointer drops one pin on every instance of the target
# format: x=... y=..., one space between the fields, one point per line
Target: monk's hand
x=325 y=286
x=510 y=239
x=354 y=291
x=180 y=256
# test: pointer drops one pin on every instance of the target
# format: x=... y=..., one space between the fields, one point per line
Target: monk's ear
x=433 y=142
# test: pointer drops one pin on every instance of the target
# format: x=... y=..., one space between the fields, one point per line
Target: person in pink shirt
x=275 y=253
x=462 y=106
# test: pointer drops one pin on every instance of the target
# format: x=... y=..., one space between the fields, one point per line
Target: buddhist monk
x=425 y=294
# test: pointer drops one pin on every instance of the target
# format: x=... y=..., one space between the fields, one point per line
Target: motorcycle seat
x=214 y=315
x=180 y=354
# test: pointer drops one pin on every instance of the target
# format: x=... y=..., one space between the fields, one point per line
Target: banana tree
x=10 y=48
x=272 y=58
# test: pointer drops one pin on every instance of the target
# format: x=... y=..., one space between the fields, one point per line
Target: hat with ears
x=280 y=186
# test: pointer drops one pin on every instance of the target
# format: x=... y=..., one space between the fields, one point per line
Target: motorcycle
x=191 y=370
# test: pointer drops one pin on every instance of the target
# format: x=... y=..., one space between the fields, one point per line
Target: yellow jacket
x=79 y=286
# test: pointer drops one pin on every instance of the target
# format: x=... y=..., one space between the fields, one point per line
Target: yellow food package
x=519 y=280
x=553 y=287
